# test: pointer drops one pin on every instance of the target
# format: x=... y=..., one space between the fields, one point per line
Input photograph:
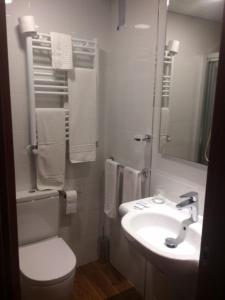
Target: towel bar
x=144 y=171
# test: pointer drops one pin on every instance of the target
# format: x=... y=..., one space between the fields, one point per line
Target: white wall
x=130 y=86
x=172 y=177
x=130 y=82
x=198 y=38
x=83 y=19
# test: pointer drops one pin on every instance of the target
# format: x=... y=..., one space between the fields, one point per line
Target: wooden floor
x=97 y=281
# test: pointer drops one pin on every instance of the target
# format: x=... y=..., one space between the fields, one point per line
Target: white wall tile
x=129 y=108
x=83 y=19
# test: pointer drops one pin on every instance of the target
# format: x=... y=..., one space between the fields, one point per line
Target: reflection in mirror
x=189 y=78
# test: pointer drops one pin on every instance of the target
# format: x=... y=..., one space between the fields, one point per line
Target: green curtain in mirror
x=207 y=113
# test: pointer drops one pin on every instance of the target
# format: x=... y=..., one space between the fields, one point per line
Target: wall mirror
x=189 y=78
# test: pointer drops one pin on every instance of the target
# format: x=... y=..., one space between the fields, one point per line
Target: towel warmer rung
x=50 y=68
x=49 y=80
x=58 y=87
x=84 y=47
x=41 y=41
x=51 y=93
x=41 y=48
x=43 y=67
x=51 y=74
x=84 y=53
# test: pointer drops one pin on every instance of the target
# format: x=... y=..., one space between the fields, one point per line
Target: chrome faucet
x=192 y=204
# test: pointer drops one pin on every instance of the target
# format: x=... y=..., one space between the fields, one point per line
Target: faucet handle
x=193 y=195
x=191 y=203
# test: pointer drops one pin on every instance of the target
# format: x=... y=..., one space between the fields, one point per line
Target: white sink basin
x=149 y=228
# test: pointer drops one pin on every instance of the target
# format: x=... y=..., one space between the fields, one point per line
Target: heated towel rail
x=46 y=84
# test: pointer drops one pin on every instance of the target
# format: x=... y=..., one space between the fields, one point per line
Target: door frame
x=211 y=283
x=212 y=260
x=9 y=263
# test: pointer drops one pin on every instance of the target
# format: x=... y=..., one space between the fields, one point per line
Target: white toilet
x=47 y=264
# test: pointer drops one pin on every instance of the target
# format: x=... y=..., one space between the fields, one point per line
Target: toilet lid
x=48 y=260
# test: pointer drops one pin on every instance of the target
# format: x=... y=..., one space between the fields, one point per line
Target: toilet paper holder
x=63 y=193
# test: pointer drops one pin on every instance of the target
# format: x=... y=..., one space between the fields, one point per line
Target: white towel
x=131 y=185
x=165 y=118
x=51 y=148
x=62 y=53
x=83 y=119
x=111 y=188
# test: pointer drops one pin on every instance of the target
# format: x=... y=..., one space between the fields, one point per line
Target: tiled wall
x=130 y=86
x=83 y=19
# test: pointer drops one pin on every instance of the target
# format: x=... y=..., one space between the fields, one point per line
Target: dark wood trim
x=211 y=283
x=9 y=265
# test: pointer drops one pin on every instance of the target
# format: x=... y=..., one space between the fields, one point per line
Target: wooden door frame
x=9 y=263
x=211 y=284
x=212 y=261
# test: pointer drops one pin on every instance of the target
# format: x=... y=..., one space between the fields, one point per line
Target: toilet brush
x=103 y=248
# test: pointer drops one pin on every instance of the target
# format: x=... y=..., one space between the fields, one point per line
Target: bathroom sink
x=149 y=228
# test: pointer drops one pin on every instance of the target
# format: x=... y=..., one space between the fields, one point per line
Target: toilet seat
x=47 y=262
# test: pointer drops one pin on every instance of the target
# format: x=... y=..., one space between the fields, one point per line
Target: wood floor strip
x=116 y=279
x=83 y=289
x=130 y=294
x=97 y=281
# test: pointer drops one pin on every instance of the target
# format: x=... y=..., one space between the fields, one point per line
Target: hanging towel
x=83 y=119
x=51 y=148
x=131 y=185
x=111 y=188
x=165 y=118
x=62 y=53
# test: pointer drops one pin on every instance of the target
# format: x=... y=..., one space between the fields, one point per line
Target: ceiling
x=206 y=9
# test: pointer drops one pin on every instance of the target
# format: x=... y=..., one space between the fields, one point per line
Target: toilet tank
x=37 y=215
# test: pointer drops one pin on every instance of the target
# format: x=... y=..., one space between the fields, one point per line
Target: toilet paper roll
x=27 y=24
x=71 y=202
x=174 y=46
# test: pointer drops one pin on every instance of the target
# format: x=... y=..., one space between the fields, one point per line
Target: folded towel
x=62 y=53
x=83 y=119
x=51 y=148
x=131 y=185
x=111 y=188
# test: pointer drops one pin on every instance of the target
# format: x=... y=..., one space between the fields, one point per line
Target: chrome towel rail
x=144 y=172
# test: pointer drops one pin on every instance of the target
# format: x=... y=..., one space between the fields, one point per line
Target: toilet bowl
x=47 y=270
x=47 y=264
